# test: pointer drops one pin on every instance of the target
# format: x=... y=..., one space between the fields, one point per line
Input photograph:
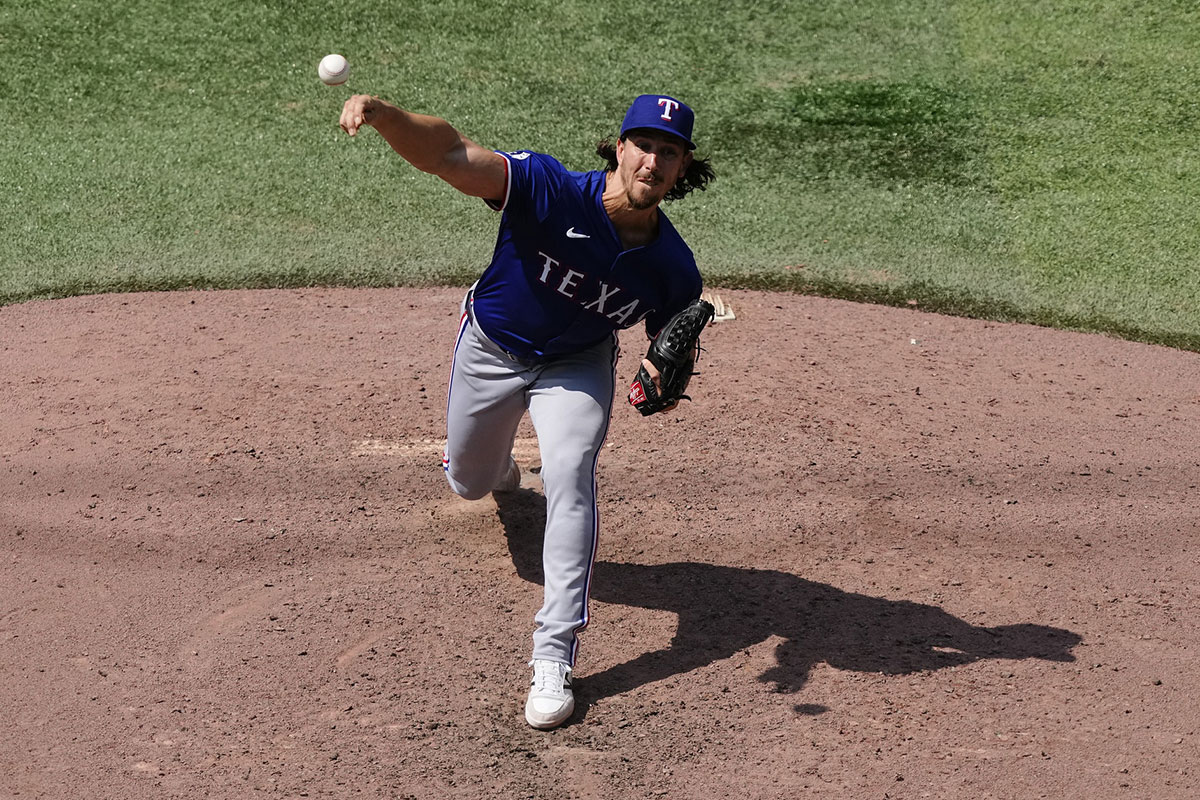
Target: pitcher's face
x=649 y=163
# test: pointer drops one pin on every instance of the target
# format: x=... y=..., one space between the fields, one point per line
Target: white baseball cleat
x=551 y=700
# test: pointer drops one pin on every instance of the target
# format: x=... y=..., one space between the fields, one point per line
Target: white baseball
x=333 y=69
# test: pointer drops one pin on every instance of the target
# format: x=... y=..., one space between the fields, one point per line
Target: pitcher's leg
x=484 y=405
x=570 y=406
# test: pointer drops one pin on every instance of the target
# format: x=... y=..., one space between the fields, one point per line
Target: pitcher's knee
x=467 y=491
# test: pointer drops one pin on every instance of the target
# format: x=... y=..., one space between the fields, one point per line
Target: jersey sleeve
x=681 y=280
x=533 y=182
x=679 y=295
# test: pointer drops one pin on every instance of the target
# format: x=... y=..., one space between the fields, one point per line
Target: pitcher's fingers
x=654 y=374
x=353 y=114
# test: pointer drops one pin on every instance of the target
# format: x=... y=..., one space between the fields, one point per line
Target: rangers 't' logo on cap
x=661 y=113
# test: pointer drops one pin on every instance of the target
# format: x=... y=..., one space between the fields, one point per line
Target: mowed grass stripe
x=1015 y=160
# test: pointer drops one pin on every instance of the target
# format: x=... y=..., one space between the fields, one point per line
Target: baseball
x=333 y=69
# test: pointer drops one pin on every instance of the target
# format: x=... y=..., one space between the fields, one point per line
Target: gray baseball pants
x=569 y=400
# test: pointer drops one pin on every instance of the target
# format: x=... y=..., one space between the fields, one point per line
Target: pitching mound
x=883 y=554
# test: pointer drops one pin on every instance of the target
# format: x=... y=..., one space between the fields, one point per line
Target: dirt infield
x=884 y=555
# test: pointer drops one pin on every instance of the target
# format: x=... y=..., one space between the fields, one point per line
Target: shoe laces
x=550 y=676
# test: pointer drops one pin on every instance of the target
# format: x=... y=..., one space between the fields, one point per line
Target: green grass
x=1017 y=160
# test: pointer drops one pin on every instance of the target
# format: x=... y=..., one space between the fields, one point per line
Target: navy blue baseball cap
x=661 y=113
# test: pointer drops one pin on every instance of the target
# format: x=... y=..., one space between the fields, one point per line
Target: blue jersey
x=560 y=279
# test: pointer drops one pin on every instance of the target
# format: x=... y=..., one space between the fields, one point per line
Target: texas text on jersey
x=560 y=279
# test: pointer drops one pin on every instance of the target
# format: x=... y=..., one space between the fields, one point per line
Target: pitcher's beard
x=641 y=204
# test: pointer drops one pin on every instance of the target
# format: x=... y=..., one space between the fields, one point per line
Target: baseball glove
x=673 y=352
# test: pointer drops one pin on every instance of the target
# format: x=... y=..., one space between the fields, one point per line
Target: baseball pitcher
x=579 y=256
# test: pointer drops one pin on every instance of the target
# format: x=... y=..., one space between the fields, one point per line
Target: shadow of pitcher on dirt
x=723 y=610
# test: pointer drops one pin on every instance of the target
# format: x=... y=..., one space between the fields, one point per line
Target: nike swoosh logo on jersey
x=572 y=234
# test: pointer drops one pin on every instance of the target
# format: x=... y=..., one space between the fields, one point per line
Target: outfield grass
x=1010 y=159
